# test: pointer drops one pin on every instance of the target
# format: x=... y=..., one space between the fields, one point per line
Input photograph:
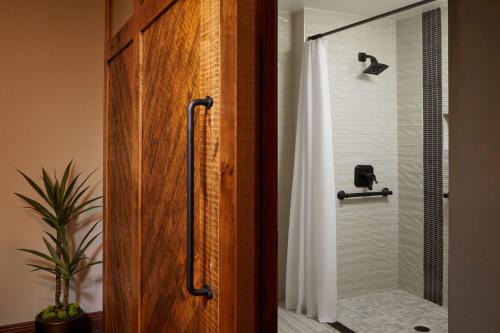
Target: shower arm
x=363 y=56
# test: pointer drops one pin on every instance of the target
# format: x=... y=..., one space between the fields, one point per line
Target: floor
x=393 y=311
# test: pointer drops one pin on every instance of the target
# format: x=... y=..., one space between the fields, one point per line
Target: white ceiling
x=357 y=7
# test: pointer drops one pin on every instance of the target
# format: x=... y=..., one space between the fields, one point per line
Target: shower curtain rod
x=368 y=20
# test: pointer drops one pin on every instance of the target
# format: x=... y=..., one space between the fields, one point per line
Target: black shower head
x=375 y=67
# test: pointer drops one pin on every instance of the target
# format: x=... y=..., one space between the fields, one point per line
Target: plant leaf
x=86 y=236
x=62 y=245
x=49 y=188
x=87 y=266
x=38 y=207
x=53 y=254
x=52 y=237
x=35 y=186
x=77 y=196
x=77 y=191
x=57 y=198
x=50 y=223
x=86 y=203
x=70 y=188
x=85 y=180
x=64 y=180
x=82 y=247
x=38 y=268
x=86 y=246
x=37 y=253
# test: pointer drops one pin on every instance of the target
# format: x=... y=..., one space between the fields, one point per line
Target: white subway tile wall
x=410 y=155
x=286 y=135
x=365 y=132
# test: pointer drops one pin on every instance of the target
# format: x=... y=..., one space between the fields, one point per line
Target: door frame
x=267 y=22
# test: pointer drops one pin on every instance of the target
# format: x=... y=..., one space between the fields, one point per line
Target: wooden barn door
x=157 y=64
x=167 y=55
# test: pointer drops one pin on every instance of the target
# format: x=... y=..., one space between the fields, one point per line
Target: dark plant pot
x=80 y=324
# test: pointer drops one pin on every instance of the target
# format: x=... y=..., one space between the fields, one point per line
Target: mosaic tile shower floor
x=393 y=311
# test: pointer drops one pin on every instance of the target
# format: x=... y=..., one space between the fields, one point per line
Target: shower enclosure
x=389 y=104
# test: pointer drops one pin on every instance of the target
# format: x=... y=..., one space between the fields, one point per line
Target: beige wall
x=51 y=101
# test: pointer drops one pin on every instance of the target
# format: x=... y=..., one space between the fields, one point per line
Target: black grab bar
x=343 y=195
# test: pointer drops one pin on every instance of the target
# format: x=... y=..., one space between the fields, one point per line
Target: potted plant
x=62 y=202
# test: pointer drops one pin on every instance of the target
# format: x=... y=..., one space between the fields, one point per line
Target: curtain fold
x=311 y=275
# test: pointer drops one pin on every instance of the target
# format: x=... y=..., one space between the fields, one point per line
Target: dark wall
x=474 y=283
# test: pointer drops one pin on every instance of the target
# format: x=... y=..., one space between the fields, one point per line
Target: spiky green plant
x=63 y=202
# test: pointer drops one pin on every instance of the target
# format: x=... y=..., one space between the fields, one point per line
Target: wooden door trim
x=227 y=155
x=267 y=21
x=249 y=87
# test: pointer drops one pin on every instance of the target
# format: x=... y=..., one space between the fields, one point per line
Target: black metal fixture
x=341 y=327
x=206 y=290
x=341 y=195
x=446 y=195
x=364 y=176
x=375 y=67
x=371 y=19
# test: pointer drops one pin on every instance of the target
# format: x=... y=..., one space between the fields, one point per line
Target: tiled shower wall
x=377 y=120
x=365 y=132
x=410 y=154
x=287 y=72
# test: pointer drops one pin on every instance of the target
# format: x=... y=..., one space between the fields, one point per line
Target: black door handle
x=206 y=290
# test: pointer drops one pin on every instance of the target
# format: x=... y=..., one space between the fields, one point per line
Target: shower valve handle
x=371 y=178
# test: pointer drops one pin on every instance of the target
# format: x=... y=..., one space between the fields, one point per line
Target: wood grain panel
x=171 y=76
x=122 y=196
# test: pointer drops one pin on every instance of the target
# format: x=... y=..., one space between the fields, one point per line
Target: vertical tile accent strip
x=433 y=156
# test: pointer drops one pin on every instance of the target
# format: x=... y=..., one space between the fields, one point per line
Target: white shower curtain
x=311 y=273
